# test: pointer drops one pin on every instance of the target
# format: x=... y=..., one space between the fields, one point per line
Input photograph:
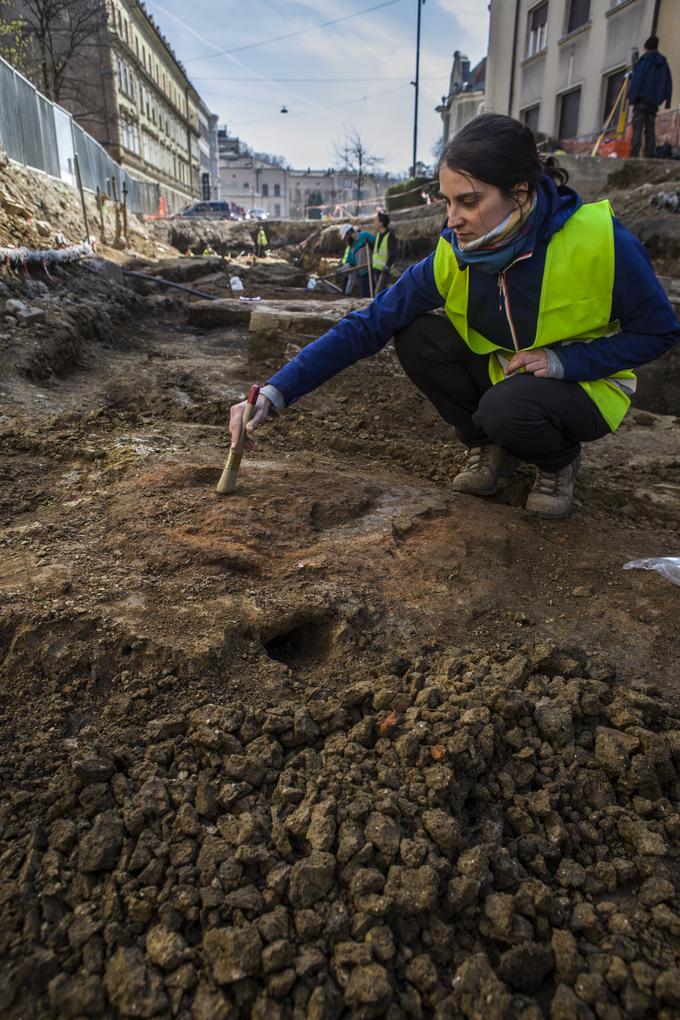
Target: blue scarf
x=491 y=257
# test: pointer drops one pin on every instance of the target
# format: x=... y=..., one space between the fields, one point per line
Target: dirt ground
x=111 y=471
x=132 y=597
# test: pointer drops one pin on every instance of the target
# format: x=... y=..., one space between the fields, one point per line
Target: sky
x=358 y=70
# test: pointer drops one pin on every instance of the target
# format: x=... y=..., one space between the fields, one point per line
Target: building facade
x=466 y=98
x=559 y=65
x=130 y=92
x=164 y=126
x=248 y=182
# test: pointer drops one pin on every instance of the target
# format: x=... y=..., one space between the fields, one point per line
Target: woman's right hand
x=262 y=408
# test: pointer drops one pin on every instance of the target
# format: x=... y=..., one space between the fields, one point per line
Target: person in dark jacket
x=549 y=305
x=650 y=86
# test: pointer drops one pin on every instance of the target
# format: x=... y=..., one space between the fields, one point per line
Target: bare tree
x=12 y=43
x=58 y=34
x=354 y=155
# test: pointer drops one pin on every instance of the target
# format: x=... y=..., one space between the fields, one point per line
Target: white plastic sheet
x=667 y=566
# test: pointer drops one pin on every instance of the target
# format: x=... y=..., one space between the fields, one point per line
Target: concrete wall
x=582 y=58
x=668 y=31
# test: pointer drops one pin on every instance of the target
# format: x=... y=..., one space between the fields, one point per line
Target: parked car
x=257 y=214
x=207 y=211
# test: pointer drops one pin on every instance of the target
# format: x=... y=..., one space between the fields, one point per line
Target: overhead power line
x=289 y=35
x=434 y=77
x=331 y=106
x=235 y=60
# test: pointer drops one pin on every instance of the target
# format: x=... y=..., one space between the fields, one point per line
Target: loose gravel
x=473 y=836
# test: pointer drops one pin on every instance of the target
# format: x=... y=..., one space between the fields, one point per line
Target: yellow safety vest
x=345 y=254
x=380 y=246
x=575 y=303
x=261 y=236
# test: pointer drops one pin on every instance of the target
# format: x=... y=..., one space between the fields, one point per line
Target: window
x=265 y=191
x=277 y=191
x=538 y=30
x=614 y=83
x=579 y=14
x=277 y=207
x=129 y=135
x=569 y=108
x=530 y=117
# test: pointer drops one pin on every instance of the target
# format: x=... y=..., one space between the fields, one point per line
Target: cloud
x=379 y=46
x=473 y=18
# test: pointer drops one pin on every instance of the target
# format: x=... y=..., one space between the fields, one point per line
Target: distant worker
x=384 y=253
x=261 y=242
x=358 y=248
x=548 y=304
x=208 y=251
x=650 y=86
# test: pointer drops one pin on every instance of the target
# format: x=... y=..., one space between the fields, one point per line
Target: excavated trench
x=342 y=745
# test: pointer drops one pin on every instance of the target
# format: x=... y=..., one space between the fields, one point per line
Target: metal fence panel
x=10 y=121
x=64 y=136
x=29 y=121
x=43 y=136
x=149 y=197
x=48 y=134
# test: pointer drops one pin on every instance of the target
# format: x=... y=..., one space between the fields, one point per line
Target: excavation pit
x=301 y=645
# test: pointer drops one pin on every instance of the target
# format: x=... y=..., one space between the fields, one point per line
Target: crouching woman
x=549 y=305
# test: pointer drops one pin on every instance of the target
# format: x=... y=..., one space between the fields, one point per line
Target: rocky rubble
x=50 y=328
x=464 y=835
x=34 y=208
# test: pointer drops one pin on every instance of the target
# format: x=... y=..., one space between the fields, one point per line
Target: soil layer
x=344 y=743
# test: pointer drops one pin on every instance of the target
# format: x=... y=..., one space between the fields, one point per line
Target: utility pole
x=416 y=84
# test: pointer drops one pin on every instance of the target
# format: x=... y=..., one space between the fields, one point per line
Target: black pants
x=643 y=120
x=540 y=421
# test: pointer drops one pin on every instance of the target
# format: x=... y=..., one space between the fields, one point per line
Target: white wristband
x=276 y=396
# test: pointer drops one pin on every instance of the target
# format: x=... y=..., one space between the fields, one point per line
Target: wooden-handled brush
x=227 y=482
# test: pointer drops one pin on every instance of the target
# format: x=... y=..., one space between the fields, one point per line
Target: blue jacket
x=649 y=327
x=651 y=82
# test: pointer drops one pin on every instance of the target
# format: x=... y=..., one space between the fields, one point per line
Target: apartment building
x=248 y=181
x=558 y=65
x=314 y=193
x=164 y=127
x=204 y=161
x=129 y=91
x=466 y=95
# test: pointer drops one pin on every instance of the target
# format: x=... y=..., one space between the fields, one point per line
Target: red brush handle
x=253 y=394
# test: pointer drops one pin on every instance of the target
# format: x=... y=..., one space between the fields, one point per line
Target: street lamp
x=416 y=85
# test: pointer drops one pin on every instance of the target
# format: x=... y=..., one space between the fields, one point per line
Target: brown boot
x=485 y=465
x=552 y=494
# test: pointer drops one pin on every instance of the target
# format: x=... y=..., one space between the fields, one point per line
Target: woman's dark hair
x=499 y=150
x=652 y=43
x=384 y=219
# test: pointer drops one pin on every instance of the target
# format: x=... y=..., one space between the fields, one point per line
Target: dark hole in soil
x=306 y=642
